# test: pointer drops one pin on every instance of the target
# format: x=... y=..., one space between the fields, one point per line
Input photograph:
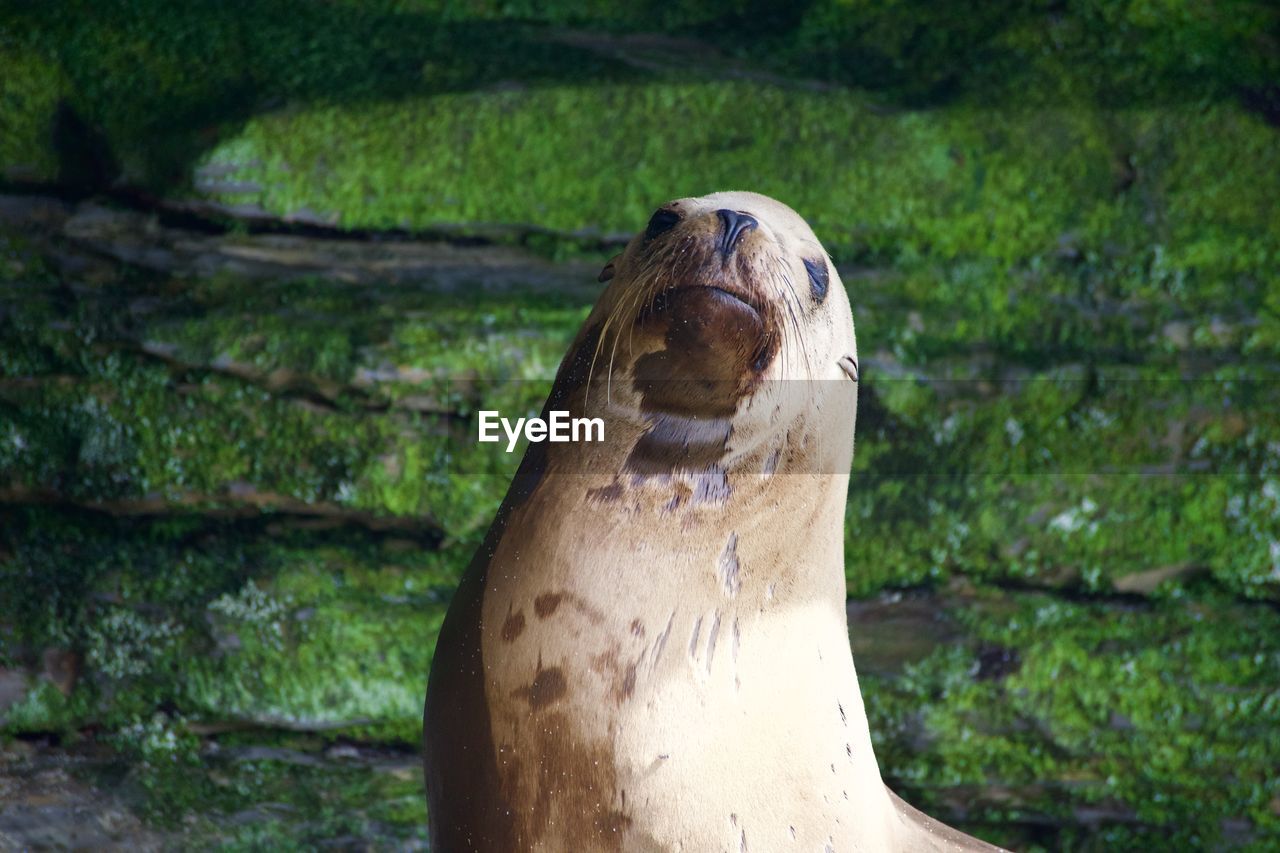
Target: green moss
x=1075 y=476
x=323 y=647
x=1136 y=153
x=225 y=622
x=256 y=790
x=219 y=407
x=1014 y=52
x=1163 y=713
x=1016 y=224
x=31 y=85
x=955 y=182
x=361 y=334
x=45 y=708
x=161 y=80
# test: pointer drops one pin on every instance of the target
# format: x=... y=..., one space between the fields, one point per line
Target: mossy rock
x=247 y=623
x=31 y=88
x=1057 y=724
x=957 y=182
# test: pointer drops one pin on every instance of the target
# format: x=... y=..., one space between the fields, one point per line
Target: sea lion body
x=650 y=651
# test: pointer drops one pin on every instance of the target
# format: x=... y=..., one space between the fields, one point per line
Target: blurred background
x=260 y=262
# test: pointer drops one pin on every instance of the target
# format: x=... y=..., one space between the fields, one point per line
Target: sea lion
x=650 y=650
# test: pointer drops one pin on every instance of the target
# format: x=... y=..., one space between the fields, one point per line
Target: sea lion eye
x=662 y=221
x=819 y=277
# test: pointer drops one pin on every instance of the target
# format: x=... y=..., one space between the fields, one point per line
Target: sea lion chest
x=660 y=682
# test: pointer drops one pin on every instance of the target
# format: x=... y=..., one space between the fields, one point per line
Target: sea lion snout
x=712 y=350
x=720 y=333
x=716 y=318
x=712 y=320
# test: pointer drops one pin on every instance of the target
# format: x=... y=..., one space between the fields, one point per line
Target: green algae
x=346 y=333
x=961 y=182
x=326 y=642
x=1065 y=480
x=231 y=621
x=184 y=400
x=31 y=86
x=1160 y=717
x=156 y=82
x=254 y=790
x=228 y=626
x=1083 y=131
x=209 y=608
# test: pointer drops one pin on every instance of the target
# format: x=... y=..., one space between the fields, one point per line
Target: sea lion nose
x=735 y=226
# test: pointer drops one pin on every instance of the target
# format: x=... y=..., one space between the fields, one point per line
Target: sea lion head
x=724 y=324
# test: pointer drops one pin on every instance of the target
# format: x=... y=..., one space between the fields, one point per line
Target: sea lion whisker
x=640 y=296
x=784 y=287
x=616 y=312
x=795 y=320
x=591 y=370
x=632 y=303
x=611 y=319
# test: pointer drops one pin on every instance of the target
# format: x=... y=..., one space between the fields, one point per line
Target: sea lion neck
x=678 y=531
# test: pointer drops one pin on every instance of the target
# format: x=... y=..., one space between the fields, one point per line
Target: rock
x=46 y=808
x=452 y=261
x=890 y=631
x=1178 y=334
x=1119 y=722
x=14 y=685
x=61 y=667
x=1145 y=583
x=995 y=662
x=342 y=752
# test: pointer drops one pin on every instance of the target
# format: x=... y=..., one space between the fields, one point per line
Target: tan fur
x=650 y=653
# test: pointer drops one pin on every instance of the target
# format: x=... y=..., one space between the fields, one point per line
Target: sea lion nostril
x=735 y=226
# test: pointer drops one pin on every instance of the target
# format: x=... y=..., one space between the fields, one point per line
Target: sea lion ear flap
x=608 y=271
x=849 y=364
